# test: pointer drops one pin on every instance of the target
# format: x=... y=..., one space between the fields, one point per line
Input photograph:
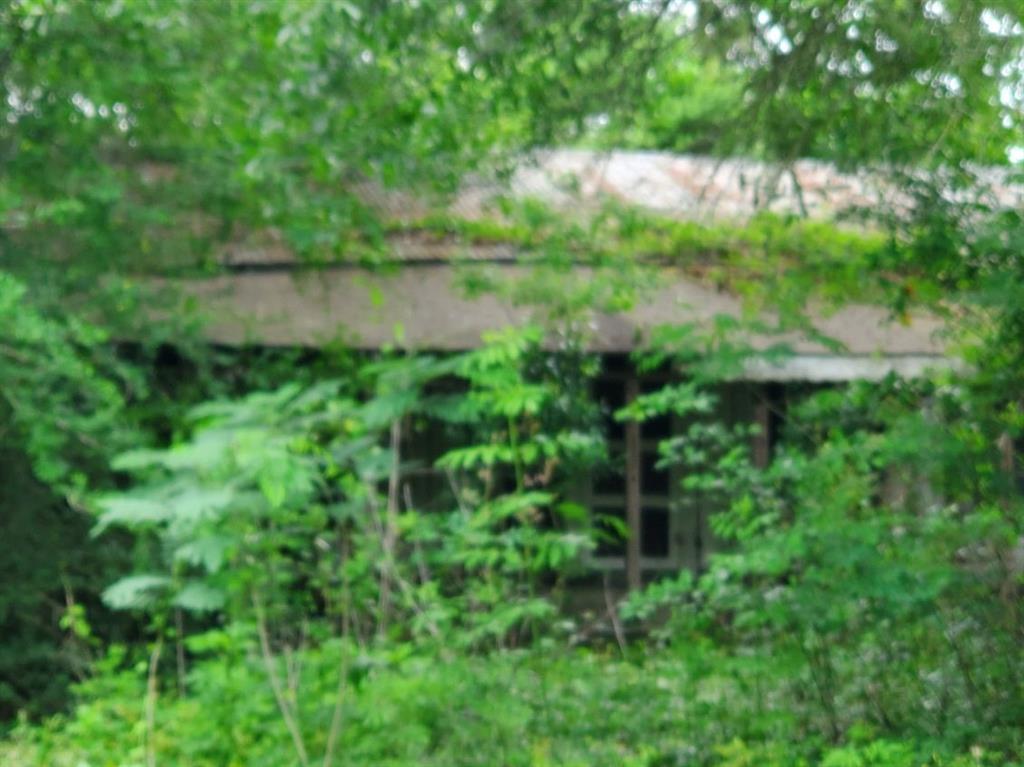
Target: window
x=673 y=527
x=608 y=487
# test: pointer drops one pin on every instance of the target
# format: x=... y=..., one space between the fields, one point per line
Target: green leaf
x=131 y=512
x=199 y=597
x=135 y=591
x=207 y=552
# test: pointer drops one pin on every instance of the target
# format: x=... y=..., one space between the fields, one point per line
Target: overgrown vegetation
x=246 y=557
x=309 y=599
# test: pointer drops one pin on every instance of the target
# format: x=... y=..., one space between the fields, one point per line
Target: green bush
x=548 y=706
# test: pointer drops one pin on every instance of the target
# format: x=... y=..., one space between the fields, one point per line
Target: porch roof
x=421 y=306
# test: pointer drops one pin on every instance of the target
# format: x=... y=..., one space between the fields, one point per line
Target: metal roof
x=679 y=186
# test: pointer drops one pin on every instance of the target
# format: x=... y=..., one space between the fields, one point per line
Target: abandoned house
x=263 y=297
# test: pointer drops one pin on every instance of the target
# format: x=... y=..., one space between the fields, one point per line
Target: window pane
x=611 y=395
x=654 y=532
x=653 y=481
x=658 y=428
x=611 y=482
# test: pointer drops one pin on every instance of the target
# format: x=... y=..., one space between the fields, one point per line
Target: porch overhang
x=423 y=306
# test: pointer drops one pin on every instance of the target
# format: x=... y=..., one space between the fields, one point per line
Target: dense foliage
x=330 y=614
x=351 y=558
x=140 y=137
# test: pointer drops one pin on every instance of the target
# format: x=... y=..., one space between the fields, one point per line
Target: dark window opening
x=610 y=482
x=653 y=481
x=654 y=533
